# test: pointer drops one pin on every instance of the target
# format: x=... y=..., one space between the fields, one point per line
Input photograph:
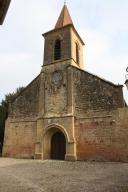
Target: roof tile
x=64 y=18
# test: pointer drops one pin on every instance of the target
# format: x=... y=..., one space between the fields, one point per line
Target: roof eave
x=102 y=79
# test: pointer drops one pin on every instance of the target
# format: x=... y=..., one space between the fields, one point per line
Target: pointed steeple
x=64 y=18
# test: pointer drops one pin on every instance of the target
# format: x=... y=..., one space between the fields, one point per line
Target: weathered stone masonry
x=88 y=111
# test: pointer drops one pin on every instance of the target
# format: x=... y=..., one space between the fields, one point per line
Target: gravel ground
x=61 y=176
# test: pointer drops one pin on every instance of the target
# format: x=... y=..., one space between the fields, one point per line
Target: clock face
x=57 y=78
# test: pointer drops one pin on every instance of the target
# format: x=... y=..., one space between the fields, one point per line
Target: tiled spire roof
x=64 y=18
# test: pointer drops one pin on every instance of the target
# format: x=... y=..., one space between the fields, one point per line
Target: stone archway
x=55 y=142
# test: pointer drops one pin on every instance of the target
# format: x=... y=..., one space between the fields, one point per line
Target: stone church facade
x=67 y=112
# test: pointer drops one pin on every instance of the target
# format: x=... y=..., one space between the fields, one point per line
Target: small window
x=57 y=50
x=77 y=54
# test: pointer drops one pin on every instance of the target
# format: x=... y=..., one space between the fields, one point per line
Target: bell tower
x=63 y=43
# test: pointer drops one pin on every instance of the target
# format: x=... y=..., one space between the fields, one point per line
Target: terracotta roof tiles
x=64 y=18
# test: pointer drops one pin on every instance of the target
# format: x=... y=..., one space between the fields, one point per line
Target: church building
x=66 y=112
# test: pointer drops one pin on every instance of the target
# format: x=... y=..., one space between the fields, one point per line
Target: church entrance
x=58 y=146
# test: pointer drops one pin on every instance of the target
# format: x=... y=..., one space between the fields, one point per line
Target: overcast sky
x=102 y=24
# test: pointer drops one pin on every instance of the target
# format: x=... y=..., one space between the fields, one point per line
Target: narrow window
x=57 y=50
x=77 y=54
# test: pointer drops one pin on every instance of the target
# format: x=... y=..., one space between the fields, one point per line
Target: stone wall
x=75 y=39
x=27 y=103
x=21 y=125
x=56 y=94
x=92 y=93
x=20 y=137
x=103 y=137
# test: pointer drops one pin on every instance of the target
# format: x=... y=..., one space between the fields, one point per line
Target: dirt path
x=59 y=176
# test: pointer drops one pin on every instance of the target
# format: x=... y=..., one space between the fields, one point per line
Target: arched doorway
x=58 y=146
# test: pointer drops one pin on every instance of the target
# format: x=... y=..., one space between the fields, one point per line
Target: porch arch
x=49 y=132
x=48 y=135
x=59 y=127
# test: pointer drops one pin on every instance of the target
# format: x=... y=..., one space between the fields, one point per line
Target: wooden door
x=58 y=146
